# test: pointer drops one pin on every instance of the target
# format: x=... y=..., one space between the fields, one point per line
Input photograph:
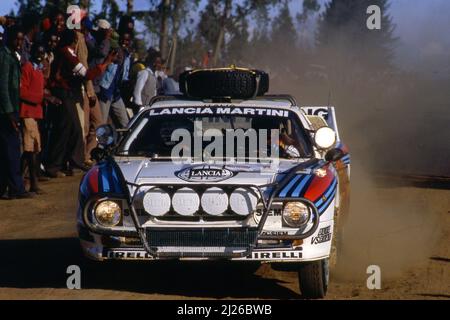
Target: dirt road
x=38 y=242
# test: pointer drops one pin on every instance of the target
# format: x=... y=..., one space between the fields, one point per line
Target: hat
x=103 y=24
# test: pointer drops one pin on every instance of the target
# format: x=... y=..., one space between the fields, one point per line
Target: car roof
x=259 y=103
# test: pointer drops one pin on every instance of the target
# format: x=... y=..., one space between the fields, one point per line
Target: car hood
x=146 y=171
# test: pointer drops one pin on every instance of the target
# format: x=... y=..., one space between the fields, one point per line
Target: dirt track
x=38 y=242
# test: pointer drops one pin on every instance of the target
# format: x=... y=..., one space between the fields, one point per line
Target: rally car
x=223 y=171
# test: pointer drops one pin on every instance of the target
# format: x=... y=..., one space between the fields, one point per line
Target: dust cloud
x=395 y=123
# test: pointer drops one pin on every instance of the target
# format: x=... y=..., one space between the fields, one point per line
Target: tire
x=226 y=83
x=313 y=279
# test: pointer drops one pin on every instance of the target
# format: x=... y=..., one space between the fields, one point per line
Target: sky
x=422 y=27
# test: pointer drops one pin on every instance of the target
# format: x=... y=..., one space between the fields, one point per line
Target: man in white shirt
x=145 y=88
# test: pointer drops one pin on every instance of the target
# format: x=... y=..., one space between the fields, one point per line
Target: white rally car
x=191 y=178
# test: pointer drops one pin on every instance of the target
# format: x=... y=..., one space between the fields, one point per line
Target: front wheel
x=313 y=279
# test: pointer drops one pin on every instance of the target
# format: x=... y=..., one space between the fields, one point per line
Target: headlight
x=296 y=214
x=108 y=213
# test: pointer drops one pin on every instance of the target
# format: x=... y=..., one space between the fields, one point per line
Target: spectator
x=51 y=41
x=109 y=93
x=31 y=28
x=58 y=20
x=89 y=114
x=126 y=25
x=146 y=83
x=31 y=96
x=170 y=85
x=68 y=74
x=126 y=88
x=10 y=176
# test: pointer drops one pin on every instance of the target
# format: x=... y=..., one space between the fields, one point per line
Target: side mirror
x=106 y=135
x=325 y=138
x=334 y=154
x=98 y=154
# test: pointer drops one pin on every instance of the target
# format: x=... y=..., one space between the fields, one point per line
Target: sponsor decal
x=316 y=111
x=324 y=235
x=205 y=173
x=256 y=255
x=272 y=255
x=219 y=111
x=272 y=213
x=127 y=254
x=274 y=233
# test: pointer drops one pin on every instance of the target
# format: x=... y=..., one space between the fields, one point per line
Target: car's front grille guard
x=267 y=203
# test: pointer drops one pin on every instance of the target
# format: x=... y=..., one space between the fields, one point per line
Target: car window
x=158 y=134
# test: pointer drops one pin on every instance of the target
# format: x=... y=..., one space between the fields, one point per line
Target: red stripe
x=318 y=186
x=93 y=179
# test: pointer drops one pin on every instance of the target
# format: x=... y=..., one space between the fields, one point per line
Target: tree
x=25 y=6
x=283 y=29
x=110 y=11
x=130 y=6
x=344 y=39
x=164 y=33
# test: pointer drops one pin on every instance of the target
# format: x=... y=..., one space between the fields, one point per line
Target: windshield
x=217 y=133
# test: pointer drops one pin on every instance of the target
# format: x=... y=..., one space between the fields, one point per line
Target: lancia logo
x=204 y=173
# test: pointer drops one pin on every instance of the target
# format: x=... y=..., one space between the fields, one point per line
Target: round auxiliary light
x=325 y=138
x=185 y=201
x=156 y=202
x=108 y=213
x=243 y=201
x=215 y=201
x=296 y=214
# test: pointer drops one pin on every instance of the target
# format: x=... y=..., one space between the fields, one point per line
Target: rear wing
x=326 y=113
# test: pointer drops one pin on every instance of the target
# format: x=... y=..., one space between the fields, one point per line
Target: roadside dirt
x=410 y=243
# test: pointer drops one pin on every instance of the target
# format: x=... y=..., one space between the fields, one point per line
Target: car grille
x=201 y=237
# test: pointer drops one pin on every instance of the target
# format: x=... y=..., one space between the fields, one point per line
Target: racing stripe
x=326 y=194
x=93 y=180
x=289 y=186
x=325 y=205
x=301 y=186
x=104 y=181
x=318 y=186
x=115 y=179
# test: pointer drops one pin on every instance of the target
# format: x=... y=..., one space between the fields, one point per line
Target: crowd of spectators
x=57 y=85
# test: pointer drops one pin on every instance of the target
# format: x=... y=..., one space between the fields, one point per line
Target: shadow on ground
x=42 y=263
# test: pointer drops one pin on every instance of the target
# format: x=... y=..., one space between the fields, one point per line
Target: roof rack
x=273 y=97
x=277 y=97
x=167 y=98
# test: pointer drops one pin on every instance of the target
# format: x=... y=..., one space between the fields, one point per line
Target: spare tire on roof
x=234 y=83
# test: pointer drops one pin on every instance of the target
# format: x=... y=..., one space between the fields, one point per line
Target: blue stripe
x=326 y=204
x=115 y=179
x=83 y=187
x=289 y=186
x=302 y=184
x=330 y=189
x=346 y=157
x=105 y=182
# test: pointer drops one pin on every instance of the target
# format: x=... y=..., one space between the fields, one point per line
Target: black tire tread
x=215 y=83
x=311 y=280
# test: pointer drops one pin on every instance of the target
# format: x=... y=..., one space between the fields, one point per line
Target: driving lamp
x=108 y=213
x=296 y=214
